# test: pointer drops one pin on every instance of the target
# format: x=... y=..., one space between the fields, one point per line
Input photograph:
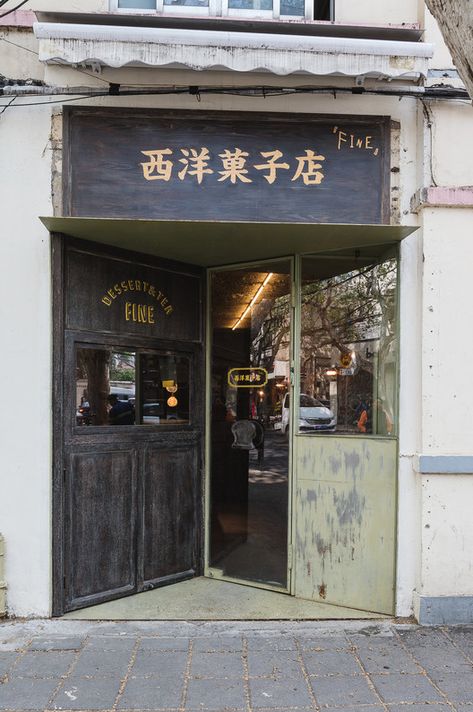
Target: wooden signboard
x=115 y=295
x=199 y=166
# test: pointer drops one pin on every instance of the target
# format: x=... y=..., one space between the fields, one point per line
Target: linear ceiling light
x=260 y=289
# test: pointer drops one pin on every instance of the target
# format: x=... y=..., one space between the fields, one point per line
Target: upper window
x=271 y=9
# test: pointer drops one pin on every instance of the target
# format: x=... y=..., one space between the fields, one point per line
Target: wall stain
x=311 y=495
x=322 y=547
x=350 y=507
x=335 y=464
x=323 y=591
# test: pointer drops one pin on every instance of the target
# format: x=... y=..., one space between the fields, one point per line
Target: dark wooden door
x=132 y=498
x=128 y=503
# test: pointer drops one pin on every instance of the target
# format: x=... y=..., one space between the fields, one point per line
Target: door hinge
x=290 y=557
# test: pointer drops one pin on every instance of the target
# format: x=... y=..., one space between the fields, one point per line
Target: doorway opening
x=287 y=460
x=250 y=329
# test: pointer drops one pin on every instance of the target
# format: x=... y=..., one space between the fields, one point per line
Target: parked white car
x=314 y=416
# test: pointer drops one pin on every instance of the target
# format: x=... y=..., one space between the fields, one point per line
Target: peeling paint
x=350 y=507
x=346 y=532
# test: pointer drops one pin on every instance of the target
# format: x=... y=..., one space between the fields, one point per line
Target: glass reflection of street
x=249 y=457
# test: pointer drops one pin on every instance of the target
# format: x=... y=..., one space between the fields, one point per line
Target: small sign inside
x=247 y=377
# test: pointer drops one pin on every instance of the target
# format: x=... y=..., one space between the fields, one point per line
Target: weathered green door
x=345 y=445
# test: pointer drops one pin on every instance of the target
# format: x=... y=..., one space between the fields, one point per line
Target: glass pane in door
x=348 y=345
x=251 y=334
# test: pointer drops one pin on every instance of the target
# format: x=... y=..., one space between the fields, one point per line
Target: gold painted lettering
x=234 y=166
x=308 y=168
x=117 y=289
x=271 y=166
x=107 y=301
x=368 y=145
x=195 y=163
x=131 y=286
x=145 y=286
x=141 y=313
x=164 y=301
x=111 y=293
x=124 y=286
x=169 y=310
x=359 y=143
x=157 y=167
x=138 y=285
x=152 y=290
x=342 y=138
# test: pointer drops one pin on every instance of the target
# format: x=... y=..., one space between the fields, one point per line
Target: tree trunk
x=455 y=20
x=97 y=364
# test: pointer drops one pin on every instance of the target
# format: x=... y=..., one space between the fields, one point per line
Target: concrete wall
x=25 y=318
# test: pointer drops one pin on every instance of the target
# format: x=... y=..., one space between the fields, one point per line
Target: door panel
x=345 y=425
x=100 y=528
x=345 y=513
x=169 y=533
x=133 y=473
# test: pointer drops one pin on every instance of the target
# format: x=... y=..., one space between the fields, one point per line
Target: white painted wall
x=446 y=336
x=442 y=58
x=452 y=152
x=371 y=13
x=447 y=535
x=69 y=6
x=25 y=318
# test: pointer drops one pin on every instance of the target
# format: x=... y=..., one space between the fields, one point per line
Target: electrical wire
x=56 y=101
x=81 y=71
x=14 y=9
x=7 y=106
x=256 y=93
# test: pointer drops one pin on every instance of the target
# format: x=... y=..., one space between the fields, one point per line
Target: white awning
x=118 y=46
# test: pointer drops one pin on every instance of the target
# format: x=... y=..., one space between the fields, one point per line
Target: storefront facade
x=147 y=504
x=239 y=382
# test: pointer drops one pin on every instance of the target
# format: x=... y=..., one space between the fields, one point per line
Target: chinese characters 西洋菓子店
x=159 y=165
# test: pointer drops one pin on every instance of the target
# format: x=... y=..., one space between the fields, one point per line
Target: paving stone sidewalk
x=237 y=667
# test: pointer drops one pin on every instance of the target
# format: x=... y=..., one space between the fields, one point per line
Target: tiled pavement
x=342 y=667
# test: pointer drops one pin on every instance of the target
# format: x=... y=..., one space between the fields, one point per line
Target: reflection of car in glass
x=83 y=414
x=152 y=413
x=155 y=413
x=314 y=416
